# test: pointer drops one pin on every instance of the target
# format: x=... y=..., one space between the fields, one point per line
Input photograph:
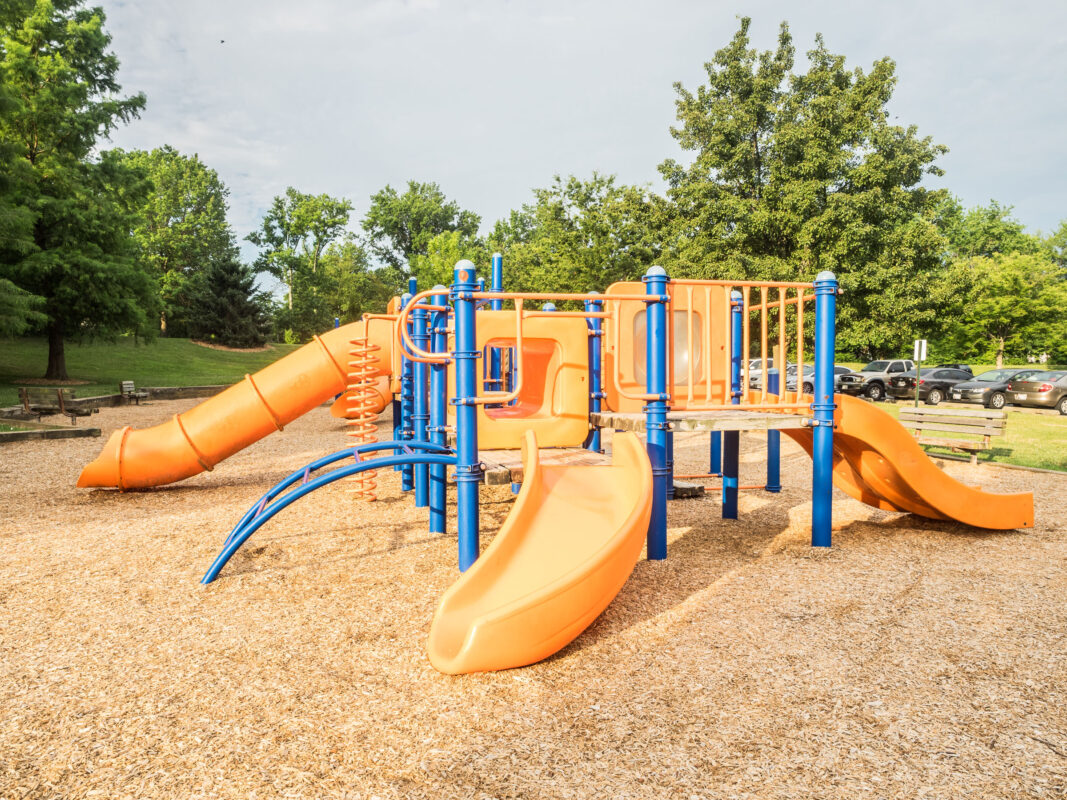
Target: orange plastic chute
x=198 y=439
x=878 y=462
x=569 y=544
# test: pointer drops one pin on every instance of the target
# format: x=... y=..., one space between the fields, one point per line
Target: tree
x=226 y=308
x=182 y=227
x=1056 y=245
x=295 y=232
x=437 y=265
x=983 y=230
x=795 y=173
x=354 y=287
x=1011 y=303
x=56 y=66
x=399 y=227
x=579 y=236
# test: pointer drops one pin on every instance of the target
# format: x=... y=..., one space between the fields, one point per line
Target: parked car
x=932 y=384
x=1042 y=390
x=808 y=387
x=963 y=367
x=871 y=381
x=990 y=388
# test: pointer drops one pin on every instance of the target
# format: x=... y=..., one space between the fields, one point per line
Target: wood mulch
x=916 y=659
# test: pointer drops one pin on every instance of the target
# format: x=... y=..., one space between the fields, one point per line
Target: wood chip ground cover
x=916 y=659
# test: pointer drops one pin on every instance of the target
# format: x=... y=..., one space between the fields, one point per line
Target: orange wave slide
x=198 y=439
x=565 y=550
x=878 y=462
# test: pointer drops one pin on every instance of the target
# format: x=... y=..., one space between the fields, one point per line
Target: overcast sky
x=492 y=98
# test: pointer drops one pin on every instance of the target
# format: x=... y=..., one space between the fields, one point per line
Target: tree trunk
x=1000 y=352
x=57 y=358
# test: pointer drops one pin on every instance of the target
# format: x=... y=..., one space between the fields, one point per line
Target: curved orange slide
x=569 y=544
x=198 y=439
x=878 y=462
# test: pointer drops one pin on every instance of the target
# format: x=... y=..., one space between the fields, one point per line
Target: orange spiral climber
x=362 y=399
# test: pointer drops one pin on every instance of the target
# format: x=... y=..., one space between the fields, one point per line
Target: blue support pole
x=596 y=389
x=731 y=440
x=823 y=407
x=715 y=456
x=438 y=410
x=468 y=467
x=496 y=284
x=420 y=415
x=774 y=444
x=407 y=403
x=398 y=400
x=656 y=337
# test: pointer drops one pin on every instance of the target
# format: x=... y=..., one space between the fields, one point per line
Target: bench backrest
x=977 y=422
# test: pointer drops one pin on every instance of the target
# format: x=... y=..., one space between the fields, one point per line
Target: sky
x=492 y=98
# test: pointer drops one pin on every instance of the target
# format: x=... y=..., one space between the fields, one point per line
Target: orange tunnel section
x=198 y=439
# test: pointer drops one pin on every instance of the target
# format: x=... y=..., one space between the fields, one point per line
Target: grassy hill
x=164 y=362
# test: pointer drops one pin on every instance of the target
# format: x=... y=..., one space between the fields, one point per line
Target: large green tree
x=798 y=172
x=182 y=227
x=225 y=306
x=1011 y=304
x=295 y=232
x=982 y=230
x=55 y=64
x=399 y=227
x=580 y=235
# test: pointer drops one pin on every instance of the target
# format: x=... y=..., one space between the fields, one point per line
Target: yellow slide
x=201 y=437
x=878 y=462
x=566 y=549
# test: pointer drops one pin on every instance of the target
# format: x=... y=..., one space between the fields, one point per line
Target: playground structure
x=467 y=377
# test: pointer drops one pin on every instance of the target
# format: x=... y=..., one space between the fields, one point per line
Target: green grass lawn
x=164 y=362
x=1029 y=440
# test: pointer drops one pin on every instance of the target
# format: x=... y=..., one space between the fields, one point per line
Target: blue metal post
x=468 y=467
x=774 y=443
x=496 y=284
x=596 y=390
x=715 y=457
x=407 y=404
x=823 y=434
x=420 y=415
x=731 y=440
x=438 y=410
x=656 y=428
x=398 y=399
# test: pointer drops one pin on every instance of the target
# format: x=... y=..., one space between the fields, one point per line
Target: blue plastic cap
x=735 y=294
x=497 y=255
x=548 y=307
x=826 y=275
x=465 y=271
x=656 y=272
x=405 y=297
x=439 y=288
x=593 y=292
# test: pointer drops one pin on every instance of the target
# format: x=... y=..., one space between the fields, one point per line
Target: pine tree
x=226 y=308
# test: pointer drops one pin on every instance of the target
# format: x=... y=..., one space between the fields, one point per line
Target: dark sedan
x=990 y=388
x=1043 y=390
x=933 y=384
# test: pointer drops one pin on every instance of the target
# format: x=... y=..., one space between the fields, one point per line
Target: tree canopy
x=399 y=227
x=798 y=172
x=62 y=79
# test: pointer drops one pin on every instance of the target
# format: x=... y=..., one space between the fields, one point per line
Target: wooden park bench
x=983 y=423
x=43 y=401
x=130 y=392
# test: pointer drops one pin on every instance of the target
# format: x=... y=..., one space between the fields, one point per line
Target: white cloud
x=492 y=98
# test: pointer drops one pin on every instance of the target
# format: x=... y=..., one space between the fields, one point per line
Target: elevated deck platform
x=505 y=466
x=704 y=420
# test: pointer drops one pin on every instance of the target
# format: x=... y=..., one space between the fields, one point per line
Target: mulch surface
x=915 y=659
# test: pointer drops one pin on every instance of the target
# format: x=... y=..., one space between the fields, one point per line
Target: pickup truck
x=873 y=378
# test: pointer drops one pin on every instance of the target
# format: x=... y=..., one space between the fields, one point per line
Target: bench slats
x=944 y=428
x=983 y=413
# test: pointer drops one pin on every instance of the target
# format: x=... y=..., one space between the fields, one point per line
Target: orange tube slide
x=198 y=439
x=878 y=462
